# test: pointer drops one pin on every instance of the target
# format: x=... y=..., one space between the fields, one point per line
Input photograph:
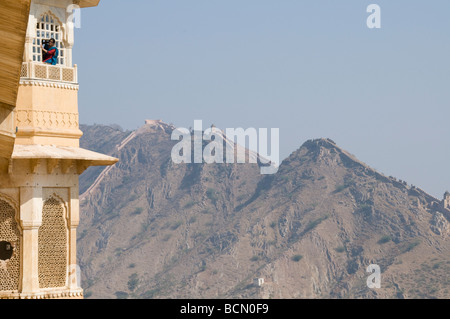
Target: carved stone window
x=48 y=27
x=52 y=258
x=9 y=248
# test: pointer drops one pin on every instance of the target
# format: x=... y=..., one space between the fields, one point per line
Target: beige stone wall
x=47 y=116
x=27 y=192
x=40 y=158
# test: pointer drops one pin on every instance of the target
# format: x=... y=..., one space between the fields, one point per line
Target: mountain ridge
x=153 y=229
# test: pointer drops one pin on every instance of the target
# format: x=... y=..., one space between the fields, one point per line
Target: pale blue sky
x=309 y=67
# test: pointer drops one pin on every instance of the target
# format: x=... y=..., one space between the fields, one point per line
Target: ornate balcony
x=55 y=73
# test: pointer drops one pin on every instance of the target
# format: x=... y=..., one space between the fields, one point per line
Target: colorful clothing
x=51 y=57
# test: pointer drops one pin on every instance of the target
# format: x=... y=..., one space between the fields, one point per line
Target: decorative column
x=30 y=220
x=74 y=221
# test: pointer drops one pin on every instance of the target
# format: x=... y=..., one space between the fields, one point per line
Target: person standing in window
x=50 y=52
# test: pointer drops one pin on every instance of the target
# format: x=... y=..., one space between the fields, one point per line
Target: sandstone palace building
x=40 y=157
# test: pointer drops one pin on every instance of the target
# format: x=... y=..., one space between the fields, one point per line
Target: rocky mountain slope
x=154 y=229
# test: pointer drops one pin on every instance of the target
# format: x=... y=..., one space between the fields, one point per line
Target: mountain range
x=154 y=229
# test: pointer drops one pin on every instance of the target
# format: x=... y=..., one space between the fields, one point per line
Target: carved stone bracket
x=66 y=165
x=82 y=166
x=34 y=165
x=51 y=165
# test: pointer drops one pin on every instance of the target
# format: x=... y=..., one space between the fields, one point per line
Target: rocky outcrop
x=440 y=225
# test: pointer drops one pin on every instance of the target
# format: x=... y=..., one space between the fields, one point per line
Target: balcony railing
x=42 y=71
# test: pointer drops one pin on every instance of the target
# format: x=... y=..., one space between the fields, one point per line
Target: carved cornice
x=31 y=132
x=50 y=84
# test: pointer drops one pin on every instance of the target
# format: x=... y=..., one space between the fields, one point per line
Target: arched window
x=52 y=241
x=9 y=248
x=48 y=27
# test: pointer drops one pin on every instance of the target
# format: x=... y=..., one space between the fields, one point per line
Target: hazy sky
x=309 y=67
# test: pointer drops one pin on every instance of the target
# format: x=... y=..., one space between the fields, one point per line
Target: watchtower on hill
x=446 y=201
